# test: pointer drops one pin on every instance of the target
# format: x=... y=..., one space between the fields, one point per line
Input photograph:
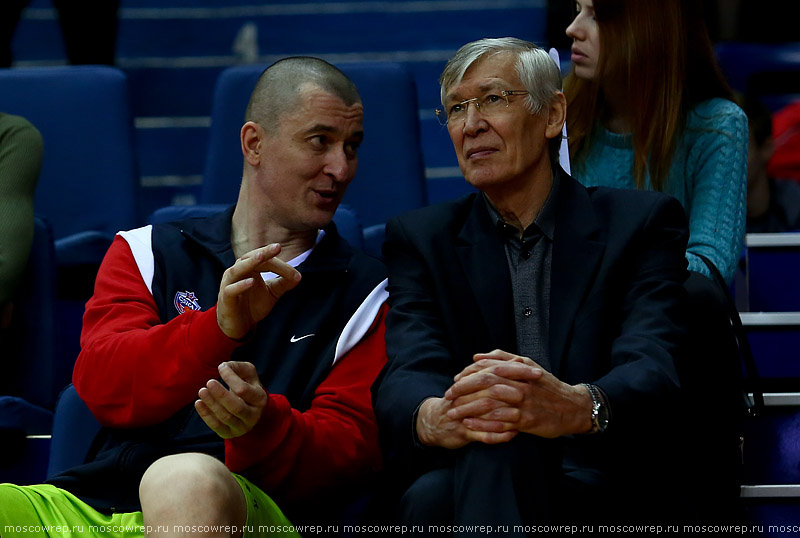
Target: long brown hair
x=659 y=55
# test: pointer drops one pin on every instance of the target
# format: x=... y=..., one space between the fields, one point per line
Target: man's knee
x=197 y=479
x=178 y=471
x=429 y=500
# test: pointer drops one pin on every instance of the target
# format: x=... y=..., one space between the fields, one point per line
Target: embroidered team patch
x=186 y=300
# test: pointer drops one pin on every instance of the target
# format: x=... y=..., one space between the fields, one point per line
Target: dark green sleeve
x=20 y=162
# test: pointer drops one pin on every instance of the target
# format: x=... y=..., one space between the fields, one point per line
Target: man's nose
x=338 y=165
x=474 y=121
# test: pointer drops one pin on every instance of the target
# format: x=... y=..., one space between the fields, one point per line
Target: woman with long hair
x=649 y=108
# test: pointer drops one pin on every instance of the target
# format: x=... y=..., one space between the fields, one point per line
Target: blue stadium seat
x=29 y=359
x=181 y=212
x=390 y=177
x=74 y=429
x=771 y=457
x=769 y=70
x=31 y=374
x=774 y=339
x=347 y=222
x=768 y=297
x=771 y=453
x=771 y=448
x=88 y=184
x=771 y=267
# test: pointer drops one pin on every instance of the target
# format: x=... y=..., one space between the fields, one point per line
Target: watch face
x=602 y=417
x=599 y=410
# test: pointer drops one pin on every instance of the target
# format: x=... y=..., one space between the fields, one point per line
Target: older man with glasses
x=533 y=326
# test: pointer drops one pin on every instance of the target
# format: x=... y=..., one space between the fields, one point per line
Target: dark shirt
x=529 y=259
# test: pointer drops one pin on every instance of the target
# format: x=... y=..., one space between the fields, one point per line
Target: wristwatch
x=600 y=412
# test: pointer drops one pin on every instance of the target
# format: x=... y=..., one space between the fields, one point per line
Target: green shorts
x=45 y=511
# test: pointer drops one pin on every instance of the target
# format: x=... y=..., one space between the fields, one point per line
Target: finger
x=211 y=420
x=237 y=413
x=211 y=396
x=245 y=370
x=474 y=382
x=502 y=414
x=511 y=394
x=279 y=267
x=226 y=406
x=489 y=426
x=474 y=408
x=478 y=365
x=267 y=251
x=248 y=264
x=518 y=371
x=249 y=390
x=234 y=289
x=280 y=285
x=482 y=380
x=259 y=261
x=499 y=354
x=490 y=438
x=481 y=408
x=501 y=372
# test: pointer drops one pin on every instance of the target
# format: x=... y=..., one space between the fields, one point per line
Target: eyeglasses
x=488 y=105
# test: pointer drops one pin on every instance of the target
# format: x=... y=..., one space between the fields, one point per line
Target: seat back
x=769 y=70
x=771 y=265
x=771 y=457
x=390 y=177
x=74 y=429
x=42 y=378
x=88 y=180
x=28 y=350
x=32 y=378
x=769 y=298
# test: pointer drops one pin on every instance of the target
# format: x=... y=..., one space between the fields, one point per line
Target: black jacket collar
x=213 y=233
x=577 y=250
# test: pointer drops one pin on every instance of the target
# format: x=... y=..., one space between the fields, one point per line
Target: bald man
x=251 y=337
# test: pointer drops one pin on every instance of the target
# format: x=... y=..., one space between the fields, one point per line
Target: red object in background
x=785 y=161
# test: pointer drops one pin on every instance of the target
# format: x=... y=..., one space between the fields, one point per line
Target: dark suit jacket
x=618 y=263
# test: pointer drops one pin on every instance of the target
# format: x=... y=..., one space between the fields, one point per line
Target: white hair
x=538 y=73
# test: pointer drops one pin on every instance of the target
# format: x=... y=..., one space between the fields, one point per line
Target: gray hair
x=278 y=88
x=538 y=73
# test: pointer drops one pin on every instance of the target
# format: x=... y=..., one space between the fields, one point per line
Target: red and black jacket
x=150 y=340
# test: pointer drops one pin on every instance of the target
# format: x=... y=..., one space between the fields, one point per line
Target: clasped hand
x=499 y=396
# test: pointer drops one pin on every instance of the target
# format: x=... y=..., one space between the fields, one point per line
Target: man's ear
x=556 y=115
x=251 y=136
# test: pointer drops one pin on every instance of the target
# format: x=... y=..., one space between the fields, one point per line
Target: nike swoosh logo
x=294 y=339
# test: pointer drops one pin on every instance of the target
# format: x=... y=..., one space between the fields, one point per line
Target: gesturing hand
x=235 y=411
x=244 y=297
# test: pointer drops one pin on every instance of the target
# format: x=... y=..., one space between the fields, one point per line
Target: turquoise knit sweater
x=708 y=176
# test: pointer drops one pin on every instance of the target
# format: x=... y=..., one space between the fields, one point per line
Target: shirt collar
x=545 y=221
